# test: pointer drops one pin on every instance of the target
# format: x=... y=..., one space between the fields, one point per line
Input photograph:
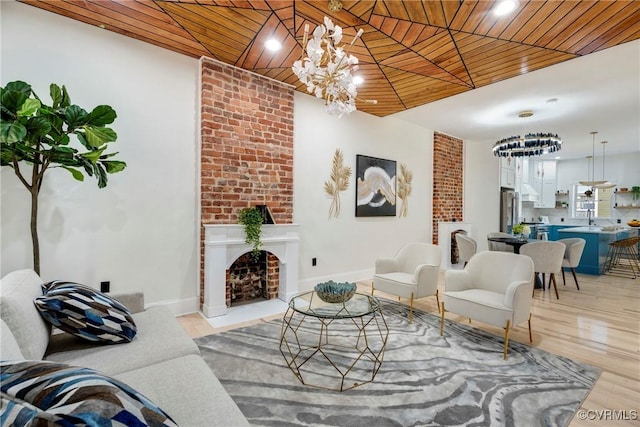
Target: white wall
x=481 y=191
x=140 y=231
x=346 y=247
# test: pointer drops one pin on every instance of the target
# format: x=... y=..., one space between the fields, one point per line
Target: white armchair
x=412 y=273
x=495 y=288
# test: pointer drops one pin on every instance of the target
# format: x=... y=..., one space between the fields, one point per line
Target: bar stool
x=622 y=258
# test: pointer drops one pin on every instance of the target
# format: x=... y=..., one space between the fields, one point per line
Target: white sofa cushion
x=204 y=402
x=9 y=348
x=160 y=337
x=17 y=292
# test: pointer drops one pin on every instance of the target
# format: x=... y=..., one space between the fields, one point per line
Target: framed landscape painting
x=375 y=186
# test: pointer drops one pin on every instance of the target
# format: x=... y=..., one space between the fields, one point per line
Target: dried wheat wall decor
x=404 y=188
x=338 y=182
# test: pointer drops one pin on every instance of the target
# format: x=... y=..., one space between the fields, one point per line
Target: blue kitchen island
x=597 y=246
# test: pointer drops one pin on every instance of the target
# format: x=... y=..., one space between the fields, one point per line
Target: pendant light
x=606 y=184
x=591 y=182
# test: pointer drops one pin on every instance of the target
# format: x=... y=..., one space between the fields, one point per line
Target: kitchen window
x=599 y=203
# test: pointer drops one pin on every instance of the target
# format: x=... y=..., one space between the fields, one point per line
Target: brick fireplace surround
x=447 y=180
x=246 y=154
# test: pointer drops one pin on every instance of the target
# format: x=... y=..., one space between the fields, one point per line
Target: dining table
x=516 y=242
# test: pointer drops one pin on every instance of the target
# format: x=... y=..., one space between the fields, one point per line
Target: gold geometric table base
x=321 y=351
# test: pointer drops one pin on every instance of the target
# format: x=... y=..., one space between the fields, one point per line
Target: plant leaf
x=97 y=136
x=28 y=107
x=114 y=166
x=12 y=100
x=12 y=132
x=101 y=115
x=75 y=172
x=38 y=126
x=94 y=155
x=56 y=95
x=75 y=116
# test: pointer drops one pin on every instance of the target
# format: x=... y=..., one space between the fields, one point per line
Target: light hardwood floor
x=598 y=325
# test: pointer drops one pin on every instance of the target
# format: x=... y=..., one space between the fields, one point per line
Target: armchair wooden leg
x=552 y=277
x=438 y=300
x=372 y=288
x=530 y=335
x=411 y=309
x=506 y=339
x=573 y=271
x=441 y=319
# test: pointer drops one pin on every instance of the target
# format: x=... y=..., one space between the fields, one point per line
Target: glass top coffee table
x=336 y=346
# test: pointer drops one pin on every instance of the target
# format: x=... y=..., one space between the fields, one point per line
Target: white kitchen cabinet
x=544 y=182
x=508 y=172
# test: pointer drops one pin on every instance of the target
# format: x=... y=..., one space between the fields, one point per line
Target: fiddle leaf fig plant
x=36 y=137
x=251 y=218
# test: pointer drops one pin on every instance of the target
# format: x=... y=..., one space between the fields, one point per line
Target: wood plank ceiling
x=411 y=52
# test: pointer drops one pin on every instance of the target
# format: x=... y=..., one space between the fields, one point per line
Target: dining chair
x=467 y=247
x=493 y=288
x=572 y=254
x=412 y=273
x=498 y=246
x=547 y=257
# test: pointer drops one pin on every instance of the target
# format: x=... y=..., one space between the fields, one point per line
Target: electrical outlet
x=313 y=262
x=105 y=286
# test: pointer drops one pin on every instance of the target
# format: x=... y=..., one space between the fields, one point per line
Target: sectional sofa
x=161 y=363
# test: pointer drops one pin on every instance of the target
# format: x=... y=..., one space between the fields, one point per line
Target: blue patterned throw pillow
x=85 y=312
x=48 y=393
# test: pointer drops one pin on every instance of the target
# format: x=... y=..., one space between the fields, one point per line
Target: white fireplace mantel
x=224 y=243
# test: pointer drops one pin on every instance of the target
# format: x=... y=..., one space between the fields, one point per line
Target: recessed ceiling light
x=273 y=45
x=358 y=80
x=505 y=7
x=525 y=113
x=552 y=100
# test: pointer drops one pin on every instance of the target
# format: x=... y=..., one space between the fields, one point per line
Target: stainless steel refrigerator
x=509 y=212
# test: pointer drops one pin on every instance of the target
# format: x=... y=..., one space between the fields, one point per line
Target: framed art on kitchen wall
x=375 y=186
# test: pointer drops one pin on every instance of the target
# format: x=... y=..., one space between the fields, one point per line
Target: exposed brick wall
x=246 y=146
x=447 y=180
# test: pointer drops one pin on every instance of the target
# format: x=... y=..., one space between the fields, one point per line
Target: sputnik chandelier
x=532 y=144
x=327 y=68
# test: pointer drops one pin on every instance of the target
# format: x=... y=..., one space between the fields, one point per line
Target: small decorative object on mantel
x=404 y=188
x=338 y=182
x=333 y=292
x=252 y=219
x=327 y=68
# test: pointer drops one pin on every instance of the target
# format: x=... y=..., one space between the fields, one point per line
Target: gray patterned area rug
x=459 y=379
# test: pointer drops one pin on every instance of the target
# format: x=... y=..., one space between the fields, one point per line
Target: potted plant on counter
x=635 y=192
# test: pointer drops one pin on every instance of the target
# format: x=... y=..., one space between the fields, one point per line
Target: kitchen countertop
x=595 y=229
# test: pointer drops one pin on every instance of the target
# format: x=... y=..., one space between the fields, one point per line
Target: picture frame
x=375 y=186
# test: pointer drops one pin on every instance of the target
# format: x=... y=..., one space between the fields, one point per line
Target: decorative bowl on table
x=333 y=292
